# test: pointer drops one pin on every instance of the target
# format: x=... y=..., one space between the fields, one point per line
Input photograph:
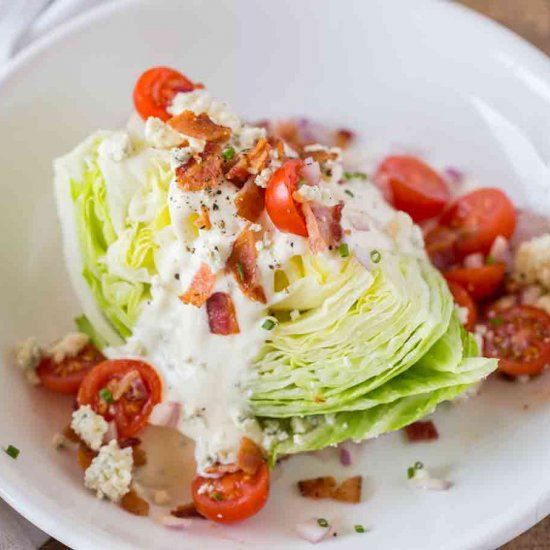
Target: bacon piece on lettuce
x=323 y=225
x=200 y=127
x=252 y=161
x=242 y=263
x=203 y=170
x=250 y=201
x=222 y=318
x=201 y=287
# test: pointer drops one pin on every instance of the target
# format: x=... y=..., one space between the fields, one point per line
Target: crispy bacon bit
x=289 y=131
x=250 y=457
x=71 y=435
x=222 y=318
x=349 y=490
x=320 y=156
x=319 y=487
x=279 y=146
x=250 y=201
x=221 y=469
x=343 y=138
x=242 y=263
x=201 y=172
x=323 y=225
x=249 y=162
x=186 y=511
x=201 y=287
x=85 y=456
x=325 y=487
x=421 y=431
x=139 y=456
x=203 y=221
x=133 y=503
x=200 y=127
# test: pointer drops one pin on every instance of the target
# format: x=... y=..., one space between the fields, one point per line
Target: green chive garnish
x=356 y=176
x=490 y=260
x=375 y=256
x=348 y=192
x=359 y=529
x=497 y=321
x=418 y=465
x=411 y=470
x=268 y=324
x=322 y=522
x=217 y=496
x=344 y=250
x=12 y=451
x=228 y=153
x=106 y=395
x=240 y=271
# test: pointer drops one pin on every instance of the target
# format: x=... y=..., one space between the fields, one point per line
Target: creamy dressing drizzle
x=207 y=373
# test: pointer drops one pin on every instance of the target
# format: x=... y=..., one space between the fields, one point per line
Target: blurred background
x=23 y=21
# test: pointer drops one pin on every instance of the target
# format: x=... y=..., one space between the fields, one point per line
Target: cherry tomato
x=481 y=282
x=413 y=187
x=439 y=242
x=155 y=90
x=283 y=210
x=232 y=497
x=66 y=376
x=123 y=390
x=463 y=299
x=479 y=217
x=519 y=337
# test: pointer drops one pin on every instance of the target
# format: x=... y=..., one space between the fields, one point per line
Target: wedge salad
x=240 y=285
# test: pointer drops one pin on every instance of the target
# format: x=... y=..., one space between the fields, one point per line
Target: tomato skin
x=155 y=89
x=463 y=299
x=481 y=282
x=440 y=242
x=413 y=186
x=479 y=217
x=283 y=210
x=54 y=376
x=520 y=341
x=240 y=495
x=130 y=414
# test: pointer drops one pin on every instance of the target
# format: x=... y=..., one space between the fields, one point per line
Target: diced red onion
x=311 y=171
x=453 y=175
x=473 y=261
x=431 y=484
x=500 y=251
x=111 y=433
x=311 y=531
x=173 y=522
x=345 y=455
x=166 y=413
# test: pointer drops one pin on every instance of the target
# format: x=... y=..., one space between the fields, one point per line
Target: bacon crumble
x=201 y=287
x=200 y=127
x=250 y=201
x=252 y=161
x=323 y=225
x=222 y=318
x=203 y=170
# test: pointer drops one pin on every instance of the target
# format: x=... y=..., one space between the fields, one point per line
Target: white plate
x=426 y=76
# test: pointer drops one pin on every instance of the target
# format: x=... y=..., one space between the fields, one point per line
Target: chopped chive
x=497 y=321
x=411 y=470
x=106 y=395
x=12 y=451
x=348 y=192
x=240 y=271
x=356 y=176
x=359 y=529
x=217 y=496
x=268 y=324
x=322 y=522
x=418 y=465
x=490 y=260
x=344 y=250
x=375 y=256
x=228 y=153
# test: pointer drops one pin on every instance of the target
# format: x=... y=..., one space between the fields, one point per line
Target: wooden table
x=530 y=19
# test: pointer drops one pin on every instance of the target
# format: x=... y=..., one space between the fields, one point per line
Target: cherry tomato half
x=440 y=241
x=478 y=218
x=232 y=497
x=481 y=282
x=519 y=337
x=156 y=88
x=463 y=299
x=123 y=390
x=67 y=375
x=283 y=210
x=413 y=186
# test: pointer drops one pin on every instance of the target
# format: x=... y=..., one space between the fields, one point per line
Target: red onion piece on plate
x=173 y=522
x=311 y=531
x=311 y=172
x=111 y=433
x=473 y=261
x=166 y=413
